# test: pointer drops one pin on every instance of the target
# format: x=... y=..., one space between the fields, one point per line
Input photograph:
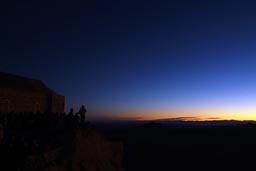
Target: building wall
x=58 y=103
x=25 y=101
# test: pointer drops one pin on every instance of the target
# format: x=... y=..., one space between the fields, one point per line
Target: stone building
x=20 y=94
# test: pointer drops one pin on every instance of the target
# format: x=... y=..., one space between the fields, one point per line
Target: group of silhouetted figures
x=24 y=134
x=29 y=120
x=79 y=116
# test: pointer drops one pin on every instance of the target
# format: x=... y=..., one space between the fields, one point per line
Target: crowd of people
x=29 y=120
x=27 y=134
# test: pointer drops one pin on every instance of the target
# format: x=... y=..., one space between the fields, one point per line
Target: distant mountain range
x=173 y=123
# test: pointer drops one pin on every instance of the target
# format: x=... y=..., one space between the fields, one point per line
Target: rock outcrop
x=85 y=150
x=92 y=152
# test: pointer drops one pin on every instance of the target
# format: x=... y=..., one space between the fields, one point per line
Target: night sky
x=138 y=59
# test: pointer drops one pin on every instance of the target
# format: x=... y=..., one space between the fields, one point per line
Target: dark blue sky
x=180 y=58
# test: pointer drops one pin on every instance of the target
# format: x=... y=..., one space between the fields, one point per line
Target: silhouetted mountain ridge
x=171 y=122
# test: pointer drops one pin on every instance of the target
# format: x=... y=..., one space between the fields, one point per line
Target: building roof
x=11 y=81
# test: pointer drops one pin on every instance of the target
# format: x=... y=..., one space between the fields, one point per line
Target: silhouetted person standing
x=71 y=112
x=82 y=113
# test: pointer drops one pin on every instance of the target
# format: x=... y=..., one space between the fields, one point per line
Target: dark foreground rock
x=83 y=149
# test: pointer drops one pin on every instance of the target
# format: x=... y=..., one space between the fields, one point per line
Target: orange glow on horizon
x=173 y=116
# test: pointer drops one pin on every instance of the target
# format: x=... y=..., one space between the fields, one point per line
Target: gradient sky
x=138 y=58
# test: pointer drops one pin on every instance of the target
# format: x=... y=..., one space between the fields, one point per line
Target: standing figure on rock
x=82 y=113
